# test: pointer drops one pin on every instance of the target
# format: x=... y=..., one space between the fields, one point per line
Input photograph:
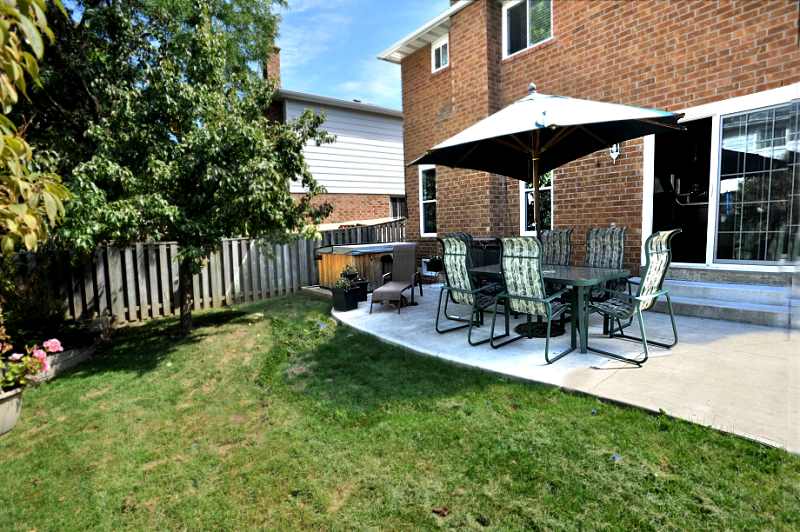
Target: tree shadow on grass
x=351 y=373
x=142 y=348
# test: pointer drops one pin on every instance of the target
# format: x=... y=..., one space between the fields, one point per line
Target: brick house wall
x=349 y=207
x=666 y=54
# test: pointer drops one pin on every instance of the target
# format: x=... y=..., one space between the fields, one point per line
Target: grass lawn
x=272 y=416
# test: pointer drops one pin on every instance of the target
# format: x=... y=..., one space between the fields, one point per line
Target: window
x=526 y=215
x=525 y=24
x=427 y=200
x=397 y=207
x=440 y=53
x=759 y=184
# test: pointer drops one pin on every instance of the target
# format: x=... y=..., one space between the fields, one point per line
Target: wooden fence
x=140 y=282
x=394 y=231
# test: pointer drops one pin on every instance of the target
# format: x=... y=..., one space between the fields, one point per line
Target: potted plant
x=345 y=297
x=361 y=286
x=16 y=371
x=349 y=272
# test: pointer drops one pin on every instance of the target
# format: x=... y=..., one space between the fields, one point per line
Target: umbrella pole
x=537 y=208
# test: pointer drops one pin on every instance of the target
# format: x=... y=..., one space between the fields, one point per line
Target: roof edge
x=387 y=54
x=284 y=94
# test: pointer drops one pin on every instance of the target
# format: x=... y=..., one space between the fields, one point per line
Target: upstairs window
x=526 y=23
x=440 y=53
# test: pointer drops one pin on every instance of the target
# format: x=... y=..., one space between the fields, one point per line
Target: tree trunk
x=186 y=296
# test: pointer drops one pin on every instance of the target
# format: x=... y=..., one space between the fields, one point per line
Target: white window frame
x=523 y=189
x=438 y=43
x=422 y=232
x=513 y=3
x=715 y=111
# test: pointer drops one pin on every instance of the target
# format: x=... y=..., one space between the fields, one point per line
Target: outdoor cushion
x=556 y=246
x=391 y=291
x=523 y=274
x=616 y=307
x=455 y=266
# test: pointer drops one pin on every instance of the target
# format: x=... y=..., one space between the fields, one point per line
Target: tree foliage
x=30 y=200
x=178 y=146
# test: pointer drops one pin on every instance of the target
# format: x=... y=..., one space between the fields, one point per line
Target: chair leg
x=665 y=345
x=562 y=354
x=371 y=302
x=445 y=294
x=492 y=337
x=477 y=320
x=643 y=339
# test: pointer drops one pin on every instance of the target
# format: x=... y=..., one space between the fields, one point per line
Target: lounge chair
x=521 y=264
x=620 y=306
x=404 y=275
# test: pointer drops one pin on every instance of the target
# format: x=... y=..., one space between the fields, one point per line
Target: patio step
x=748 y=303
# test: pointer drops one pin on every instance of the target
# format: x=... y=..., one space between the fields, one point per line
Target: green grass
x=272 y=416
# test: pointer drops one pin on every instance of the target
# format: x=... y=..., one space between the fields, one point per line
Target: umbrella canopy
x=550 y=130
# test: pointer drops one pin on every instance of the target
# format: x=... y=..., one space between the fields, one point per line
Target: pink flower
x=16 y=357
x=46 y=365
x=40 y=355
x=53 y=346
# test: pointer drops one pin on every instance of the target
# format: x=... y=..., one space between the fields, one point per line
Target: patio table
x=582 y=278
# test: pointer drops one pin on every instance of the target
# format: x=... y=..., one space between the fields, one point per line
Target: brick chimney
x=272 y=66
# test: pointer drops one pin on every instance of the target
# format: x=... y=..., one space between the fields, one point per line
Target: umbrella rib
x=558 y=137
x=657 y=123
x=516 y=146
x=593 y=135
x=525 y=148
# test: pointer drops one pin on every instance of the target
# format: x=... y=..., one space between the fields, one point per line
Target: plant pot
x=345 y=299
x=362 y=287
x=10 y=407
x=350 y=276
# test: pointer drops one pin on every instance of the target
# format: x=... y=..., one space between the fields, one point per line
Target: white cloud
x=376 y=82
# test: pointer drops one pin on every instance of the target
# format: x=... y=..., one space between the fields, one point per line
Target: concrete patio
x=735 y=377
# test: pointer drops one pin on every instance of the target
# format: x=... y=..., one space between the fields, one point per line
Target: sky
x=330 y=47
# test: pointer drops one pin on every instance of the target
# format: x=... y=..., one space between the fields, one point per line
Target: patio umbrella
x=540 y=132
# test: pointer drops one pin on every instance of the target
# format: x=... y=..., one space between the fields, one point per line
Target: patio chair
x=621 y=306
x=521 y=264
x=556 y=246
x=404 y=275
x=605 y=248
x=460 y=289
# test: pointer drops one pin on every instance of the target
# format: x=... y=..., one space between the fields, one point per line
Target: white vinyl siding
x=367 y=157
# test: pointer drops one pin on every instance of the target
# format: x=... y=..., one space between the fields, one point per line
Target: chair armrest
x=614 y=293
x=556 y=295
x=652 y=296
x=386 y=276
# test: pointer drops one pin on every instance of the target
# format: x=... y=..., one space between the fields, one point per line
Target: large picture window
x=527 y=212
x=759 y=184
x=427 y=200
x=525 y=24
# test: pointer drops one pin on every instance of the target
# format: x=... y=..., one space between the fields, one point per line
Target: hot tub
x=366 y=258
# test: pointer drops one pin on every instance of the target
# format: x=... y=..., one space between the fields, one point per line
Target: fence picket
x=115 y=286
x=175 y=279
x=216 y=280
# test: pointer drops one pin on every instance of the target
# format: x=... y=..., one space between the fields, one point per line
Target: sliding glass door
x=759 y=185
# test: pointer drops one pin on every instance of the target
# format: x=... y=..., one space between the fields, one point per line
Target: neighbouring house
x=362 y=170
x=731 y=181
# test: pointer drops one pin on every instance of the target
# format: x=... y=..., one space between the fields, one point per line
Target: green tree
x=30 y=200
x=183 y=151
